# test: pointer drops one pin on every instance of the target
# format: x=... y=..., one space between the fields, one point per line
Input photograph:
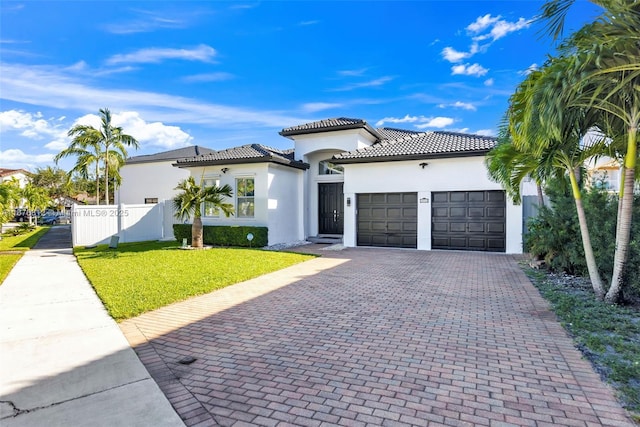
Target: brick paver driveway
x=374 y=337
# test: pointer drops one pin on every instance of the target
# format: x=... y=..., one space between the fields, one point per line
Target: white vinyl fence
x=93 y=225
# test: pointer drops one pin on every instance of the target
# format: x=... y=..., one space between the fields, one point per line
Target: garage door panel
x=458 y=227
x=439 y=197
x=441 y=212
x=395 y=222
x=457 y=196
x=476 y=212
x=476 y=227
x=476 y=196
x=471 y=220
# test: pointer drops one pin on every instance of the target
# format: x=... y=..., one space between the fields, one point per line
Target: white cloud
x=202 y=53
x=488 y=82
x=496 y=26
x=459 y=104
x=313 y=107
x=371 y=83
x=19 y=159
x=209 y=77
x=482 y=23
x=452 y=55
x=307 y=23
x=420 y=122
x=533 y=67
x=32 y=126
x=353 y=73
x=436 y=122
x=469 y=70
x=148 y=21
x=51 y=87
x=485 y=132
x=148 y=134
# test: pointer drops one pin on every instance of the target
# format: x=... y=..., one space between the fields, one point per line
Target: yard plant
x=138 y=277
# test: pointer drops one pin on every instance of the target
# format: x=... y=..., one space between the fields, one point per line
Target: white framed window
x=245 y=197
x=325 y=167
x=208 y=209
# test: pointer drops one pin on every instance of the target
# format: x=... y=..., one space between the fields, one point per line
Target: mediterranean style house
x=348 y=182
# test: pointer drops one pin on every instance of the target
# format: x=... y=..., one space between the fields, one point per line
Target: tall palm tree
x=606 y=52
x=188 y=203
x=106 y=146
x=543 y=127
x=86 y=148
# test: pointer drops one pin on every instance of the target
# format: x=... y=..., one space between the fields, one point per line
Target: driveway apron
x=374 y=337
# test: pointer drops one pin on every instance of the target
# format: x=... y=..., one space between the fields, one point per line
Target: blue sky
x=224 y=74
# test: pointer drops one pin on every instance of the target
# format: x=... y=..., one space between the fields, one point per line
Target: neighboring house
x=152 y=178
x=20 y=175
x=605 y=173
x=349 y=182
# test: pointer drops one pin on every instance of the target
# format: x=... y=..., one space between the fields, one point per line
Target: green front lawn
x=11 y=246
x=139 y=277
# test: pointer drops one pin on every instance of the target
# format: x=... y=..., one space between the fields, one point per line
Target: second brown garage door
x=387 y=220
x=468 y=220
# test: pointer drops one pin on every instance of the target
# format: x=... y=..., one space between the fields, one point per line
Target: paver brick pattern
x=374 y=337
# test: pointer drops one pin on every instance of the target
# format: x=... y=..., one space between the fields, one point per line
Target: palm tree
x=106 y=146
x=86 y=148
x=543 y=127
x=188 y=203
x=606 y=53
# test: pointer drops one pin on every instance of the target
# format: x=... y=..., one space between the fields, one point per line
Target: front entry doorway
x=330 y=208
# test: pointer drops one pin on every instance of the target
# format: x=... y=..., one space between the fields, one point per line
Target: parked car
x=21 y=215
x=48 y=219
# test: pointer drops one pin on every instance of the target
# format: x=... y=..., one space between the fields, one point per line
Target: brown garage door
x=388 y=220
x=468 y=220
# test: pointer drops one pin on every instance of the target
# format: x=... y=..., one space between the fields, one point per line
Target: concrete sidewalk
x=63 y=360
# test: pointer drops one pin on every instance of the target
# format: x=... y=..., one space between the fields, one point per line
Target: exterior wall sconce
x=423 y=165
x=348 y=201
x=224 y=170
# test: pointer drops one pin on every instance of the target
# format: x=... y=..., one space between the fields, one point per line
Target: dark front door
x=330 y=206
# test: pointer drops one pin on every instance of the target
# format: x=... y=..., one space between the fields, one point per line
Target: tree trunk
x=97 y=182
x=106 y=179
x=540 y=195
x=196 y=233
x=592 y=266
x=623 y=230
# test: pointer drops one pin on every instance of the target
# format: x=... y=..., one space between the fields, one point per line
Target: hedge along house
x=346 y=181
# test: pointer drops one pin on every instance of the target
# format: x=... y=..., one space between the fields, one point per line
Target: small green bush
x=225 y=235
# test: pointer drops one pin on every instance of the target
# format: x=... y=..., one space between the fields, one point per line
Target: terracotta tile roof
x=420 y=145
x=180 y=153
x=329 y=125
x=251 y=153
x=8 y=172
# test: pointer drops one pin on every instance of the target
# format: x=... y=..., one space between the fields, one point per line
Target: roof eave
x=400 y=158
x=364 y=126
x=221 y=162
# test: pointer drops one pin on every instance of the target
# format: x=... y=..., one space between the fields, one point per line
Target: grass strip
x=11 y=246
x=607 y=335
x=138 y=277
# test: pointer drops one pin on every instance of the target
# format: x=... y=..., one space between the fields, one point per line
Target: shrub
x=555 y=235
x=225 y=235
